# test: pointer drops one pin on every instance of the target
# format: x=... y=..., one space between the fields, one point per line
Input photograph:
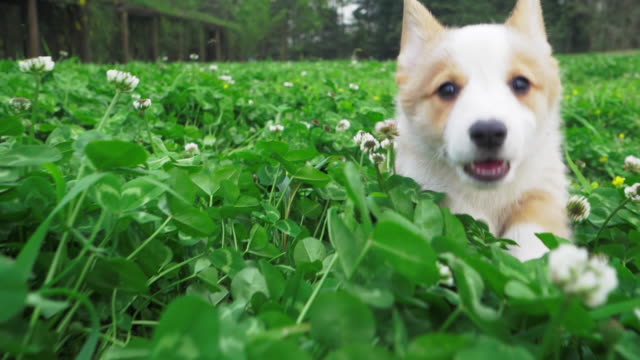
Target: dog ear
x=528 y=19
x=419 y=27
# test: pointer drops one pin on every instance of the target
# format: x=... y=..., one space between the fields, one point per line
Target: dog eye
x=448 y=91
x=520 y=85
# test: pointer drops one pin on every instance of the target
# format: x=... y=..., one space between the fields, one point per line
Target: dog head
x=484 y=95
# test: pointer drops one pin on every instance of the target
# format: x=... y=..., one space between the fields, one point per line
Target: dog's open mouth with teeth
x=488 y=170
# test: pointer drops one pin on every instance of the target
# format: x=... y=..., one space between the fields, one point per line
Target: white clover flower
x=164 y=58
x=304 y=73
x=343 y=125
x=123 y=81
x=591 y=279
x=597 y=280
x=636 y=312
x=564 y=260
x=578 y=208
x=37 y=65
x=633 y=192
x=388 y=128
x=446 y=277
x=63 y=53
x=583 y=283
x=358 y=137
x=142 y=104
x=632 y=164
x=192 y=148
x=387 y=144
x=213 y=68
x=276 y=128
x=194 y=57
x=608 y=283
x=20 y=104
x=287 y=84
x=227 y=78
x=369 y=143
x=353 y=86
x=377 y=158
x=250 y=102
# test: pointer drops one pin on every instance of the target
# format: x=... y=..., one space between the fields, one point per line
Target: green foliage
x=413 y=256
x=188 y=329
x=286 y=245
x=109 y=154
x=339 y=319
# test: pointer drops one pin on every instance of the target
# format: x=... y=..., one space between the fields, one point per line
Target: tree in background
x=573 y=25
x=242 y=30
x=287 y=29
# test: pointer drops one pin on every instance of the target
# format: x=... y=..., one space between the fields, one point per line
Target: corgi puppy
x=478 y=113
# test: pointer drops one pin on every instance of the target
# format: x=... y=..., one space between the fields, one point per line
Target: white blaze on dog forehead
x=482 y=52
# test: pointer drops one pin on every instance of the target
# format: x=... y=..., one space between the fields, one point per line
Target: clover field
x=118 y=243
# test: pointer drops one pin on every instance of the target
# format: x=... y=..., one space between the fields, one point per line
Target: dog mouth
x=488 y=170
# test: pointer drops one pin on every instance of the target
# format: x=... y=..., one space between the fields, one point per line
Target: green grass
x=285 y=245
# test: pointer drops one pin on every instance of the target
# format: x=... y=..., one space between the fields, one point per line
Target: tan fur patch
x=545 y=80
x=436 y=113
x=540 y=208
x=401 y=79
x=421 y=91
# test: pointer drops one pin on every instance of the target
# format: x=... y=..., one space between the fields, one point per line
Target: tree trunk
x=34 y=34
x=85 y=48
x=155 y=45
x=219 y=45
x=202 y=43
x=284 y=39
x=181 y=42
x=124 y=21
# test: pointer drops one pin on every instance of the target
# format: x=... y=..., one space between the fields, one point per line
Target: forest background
x=245 y=30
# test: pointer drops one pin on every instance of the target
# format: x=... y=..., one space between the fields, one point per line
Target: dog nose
x=488 y=134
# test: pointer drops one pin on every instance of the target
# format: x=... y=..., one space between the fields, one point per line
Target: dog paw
x=529 y=246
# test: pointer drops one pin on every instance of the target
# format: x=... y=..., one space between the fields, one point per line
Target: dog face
x=483 y=95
